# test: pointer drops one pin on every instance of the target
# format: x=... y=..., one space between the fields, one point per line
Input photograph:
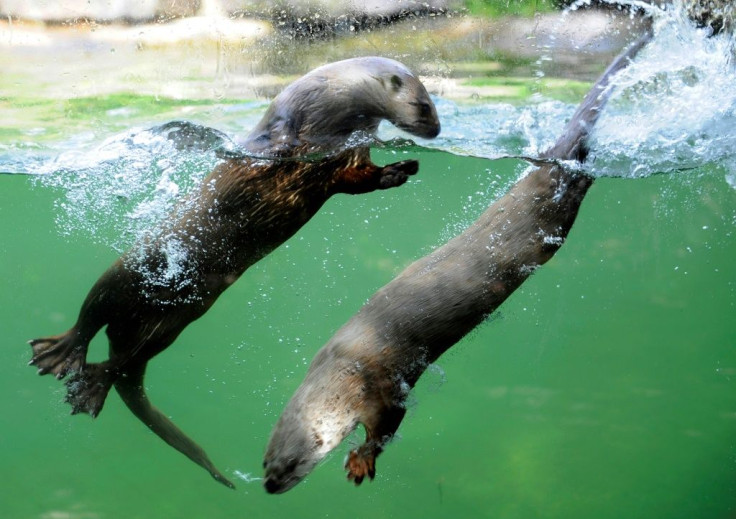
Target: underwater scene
x=605 y=386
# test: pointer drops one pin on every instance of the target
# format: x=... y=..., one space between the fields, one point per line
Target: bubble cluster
x=118 y=191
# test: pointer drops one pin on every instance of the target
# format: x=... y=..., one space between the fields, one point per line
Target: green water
x=604 y=387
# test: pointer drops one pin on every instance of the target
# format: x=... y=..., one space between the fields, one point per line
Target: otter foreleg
x=394 y=175
x=380 y=429
x=367 y=177
x=130 y=388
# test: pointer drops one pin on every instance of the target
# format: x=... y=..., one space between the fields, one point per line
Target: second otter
x=365 y=371
x=243 y=210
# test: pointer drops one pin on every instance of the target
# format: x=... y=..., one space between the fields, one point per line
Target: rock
x=322 y=18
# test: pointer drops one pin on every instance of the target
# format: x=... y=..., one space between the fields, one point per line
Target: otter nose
x=272 y=487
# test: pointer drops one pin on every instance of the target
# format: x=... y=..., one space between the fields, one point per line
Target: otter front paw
x=361 y=463
x=393 y=175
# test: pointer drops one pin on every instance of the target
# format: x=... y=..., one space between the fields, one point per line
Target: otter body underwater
x=364 y=373
x=242 y=211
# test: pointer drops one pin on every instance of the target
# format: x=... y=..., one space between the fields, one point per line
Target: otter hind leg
x=88 y=389
x=59 y=355
x=130 y=388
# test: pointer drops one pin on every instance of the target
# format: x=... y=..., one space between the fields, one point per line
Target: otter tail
x=572 y=143
x=59 y=355
x=131 y=390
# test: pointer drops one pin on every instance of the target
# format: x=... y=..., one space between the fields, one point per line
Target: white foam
x=118 y=191
x=673 y=108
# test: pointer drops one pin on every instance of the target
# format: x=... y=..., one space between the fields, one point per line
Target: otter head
x=322 y=413
x=292 y=454
x=321 y=110
x=403 y=98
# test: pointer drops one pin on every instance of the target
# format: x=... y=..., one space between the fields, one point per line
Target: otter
x=365 y=371
x=243 y=210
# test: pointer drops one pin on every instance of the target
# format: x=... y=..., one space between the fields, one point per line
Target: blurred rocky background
x=139 y=11
x=246 y=48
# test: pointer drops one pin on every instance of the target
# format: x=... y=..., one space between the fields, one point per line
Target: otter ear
x=396 y=82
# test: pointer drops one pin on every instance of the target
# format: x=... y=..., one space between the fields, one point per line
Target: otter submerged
x=243 y=210
x=364 y=373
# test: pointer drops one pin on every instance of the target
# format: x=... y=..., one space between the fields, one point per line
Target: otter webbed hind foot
x=88 y=389
x=58 y=355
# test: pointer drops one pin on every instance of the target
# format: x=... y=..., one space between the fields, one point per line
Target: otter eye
x=396 y=82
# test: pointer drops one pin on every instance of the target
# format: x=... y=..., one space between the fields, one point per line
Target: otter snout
x=417 y=116
x=291 y=454
x=273 y=486
x=427 y=124
x=283 y=473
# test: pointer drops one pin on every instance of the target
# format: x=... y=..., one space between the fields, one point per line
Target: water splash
x=494 y=131
x=118 y=191
x=673 y=108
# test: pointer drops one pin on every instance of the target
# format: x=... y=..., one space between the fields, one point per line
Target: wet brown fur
x=243 y=210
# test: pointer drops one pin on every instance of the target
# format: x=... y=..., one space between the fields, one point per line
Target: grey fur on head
x=321 y=110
